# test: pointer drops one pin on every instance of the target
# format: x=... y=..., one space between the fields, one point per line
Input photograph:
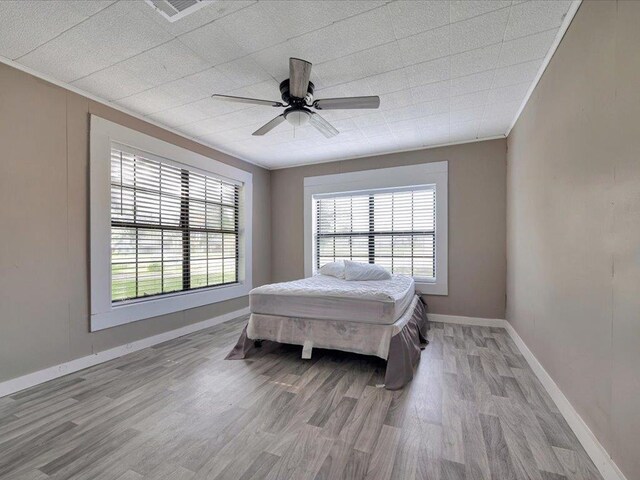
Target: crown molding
x=381 y=154
x=571 y=13
x=95 y=98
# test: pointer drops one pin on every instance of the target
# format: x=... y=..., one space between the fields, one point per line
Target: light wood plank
x=474 y=411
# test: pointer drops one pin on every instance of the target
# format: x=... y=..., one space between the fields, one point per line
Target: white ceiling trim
x=95 y=98
x=382 y=154
x=573 y=9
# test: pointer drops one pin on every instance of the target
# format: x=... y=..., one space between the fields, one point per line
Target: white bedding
x=324 y=297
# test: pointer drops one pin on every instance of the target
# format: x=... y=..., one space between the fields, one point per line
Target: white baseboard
x=474 y=321
x=602 y=460
x=20 y=383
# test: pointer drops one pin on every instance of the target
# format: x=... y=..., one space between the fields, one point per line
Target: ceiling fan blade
x=299 y=73
x=347 y=102
x=322 y=125
x=270 y=125
x=253 y=101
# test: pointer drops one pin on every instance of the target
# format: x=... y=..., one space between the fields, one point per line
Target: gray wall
x=573 y=231
x=477 y=229
x=44 y=289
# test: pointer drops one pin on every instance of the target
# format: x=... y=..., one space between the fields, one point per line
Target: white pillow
x=334 y=269
x=364 y=271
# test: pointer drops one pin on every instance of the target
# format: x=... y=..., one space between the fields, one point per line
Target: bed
x=384 y=318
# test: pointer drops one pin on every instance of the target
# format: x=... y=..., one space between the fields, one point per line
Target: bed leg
x=306 y=350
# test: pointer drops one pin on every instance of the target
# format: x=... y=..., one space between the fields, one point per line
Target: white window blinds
x=393 y=228
x=172 y=229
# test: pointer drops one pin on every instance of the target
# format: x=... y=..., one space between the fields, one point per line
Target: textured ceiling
x=446 y=71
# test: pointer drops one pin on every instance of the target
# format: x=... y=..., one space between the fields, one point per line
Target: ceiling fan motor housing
x=298 y=104
x=293 y=101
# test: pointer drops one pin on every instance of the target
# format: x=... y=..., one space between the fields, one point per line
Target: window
x=170 y=229
x=394 y=229
x=394 y=217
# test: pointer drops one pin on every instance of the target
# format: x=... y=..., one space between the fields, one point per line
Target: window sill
x=120 y=314
x=431 y=288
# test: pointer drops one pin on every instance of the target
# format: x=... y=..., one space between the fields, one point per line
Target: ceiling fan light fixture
x=297 y=118
x=297 y=95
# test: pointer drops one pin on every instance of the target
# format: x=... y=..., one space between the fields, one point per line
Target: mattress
x=329 y=298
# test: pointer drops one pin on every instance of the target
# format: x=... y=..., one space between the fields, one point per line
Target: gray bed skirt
x=404 y=348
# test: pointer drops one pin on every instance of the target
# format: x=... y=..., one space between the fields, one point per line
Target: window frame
x=372 y=233
x=394 y=178
x=105 y=313
x=180 y=228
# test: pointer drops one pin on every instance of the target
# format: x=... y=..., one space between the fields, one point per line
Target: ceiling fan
x=297 y=95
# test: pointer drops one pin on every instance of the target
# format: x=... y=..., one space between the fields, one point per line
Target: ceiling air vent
x=174 y=10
